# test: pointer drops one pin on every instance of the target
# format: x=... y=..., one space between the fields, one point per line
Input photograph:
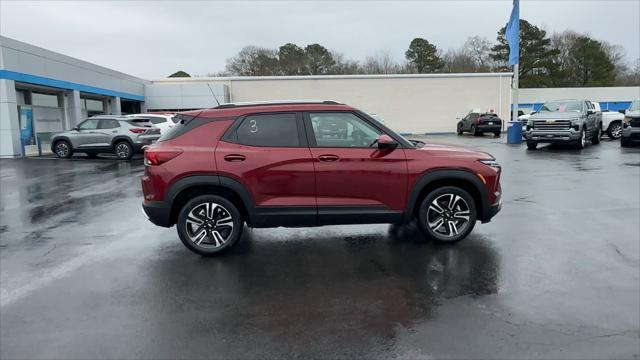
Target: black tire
x=623 y=142
x=63 y=149
x=496 y=133
x=615 y=130
x=429 y=217
x=474 y=131
x=92 y=155
x=210 y=245
x=123 y=150
x=581 y=140
x=459 y=129
x=596 y=136
x=532 y=145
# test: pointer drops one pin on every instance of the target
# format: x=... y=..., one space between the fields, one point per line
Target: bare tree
x=479 y=49
x=381 y=63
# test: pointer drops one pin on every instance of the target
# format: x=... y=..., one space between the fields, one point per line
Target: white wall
x=186 y=95
x=600 y=94
x=416 y=103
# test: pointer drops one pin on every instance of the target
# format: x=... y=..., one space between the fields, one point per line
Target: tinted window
x=269 y=130
x=108 y=124
x=342 y=129
x=90 y=124
x=157 y=120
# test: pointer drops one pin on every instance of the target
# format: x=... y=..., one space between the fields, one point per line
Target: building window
x=22 y=97
x=42 y=99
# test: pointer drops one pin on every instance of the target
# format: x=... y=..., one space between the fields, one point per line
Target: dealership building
x=43 y=92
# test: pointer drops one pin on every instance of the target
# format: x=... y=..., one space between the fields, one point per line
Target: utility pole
x=514 y=94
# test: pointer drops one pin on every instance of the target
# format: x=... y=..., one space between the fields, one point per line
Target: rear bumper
x=489 y=128
x=158 y=213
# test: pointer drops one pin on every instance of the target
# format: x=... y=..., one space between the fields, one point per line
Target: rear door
x=107 y=129
x=269 y=155
x=591 y=117
x=354 y=179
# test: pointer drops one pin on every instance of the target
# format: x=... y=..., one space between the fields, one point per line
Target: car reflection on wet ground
x=556 y=274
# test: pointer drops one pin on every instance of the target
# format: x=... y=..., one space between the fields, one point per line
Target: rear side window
x=276 y=130
x=157 y=120
x=108 y=124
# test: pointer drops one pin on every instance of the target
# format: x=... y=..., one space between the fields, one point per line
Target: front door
x=87 y=134
x=268 y=154
x=354 y=179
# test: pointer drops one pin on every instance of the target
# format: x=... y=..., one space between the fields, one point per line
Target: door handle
x=234 y=157
x=328 y=158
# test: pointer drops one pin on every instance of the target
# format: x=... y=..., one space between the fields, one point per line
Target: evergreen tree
x=424 y=56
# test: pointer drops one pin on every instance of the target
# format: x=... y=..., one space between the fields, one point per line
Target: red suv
x=289 y=164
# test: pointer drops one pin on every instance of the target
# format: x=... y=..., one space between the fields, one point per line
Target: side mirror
x=76 y=128
x=623 y=111
x=591 y=112
x=386 y=142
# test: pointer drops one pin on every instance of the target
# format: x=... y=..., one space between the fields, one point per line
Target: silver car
x=122 y=136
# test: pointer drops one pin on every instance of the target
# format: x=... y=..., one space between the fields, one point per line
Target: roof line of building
x=333 y=77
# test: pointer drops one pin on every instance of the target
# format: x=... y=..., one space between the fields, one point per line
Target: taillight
x=154 y=157
x=137 y=130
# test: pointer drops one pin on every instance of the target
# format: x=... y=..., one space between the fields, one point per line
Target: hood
x=633 y=114
x=556 y=115
x=455 y=151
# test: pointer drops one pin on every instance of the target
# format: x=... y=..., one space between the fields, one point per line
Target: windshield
x=635 y=106
x=562 y=106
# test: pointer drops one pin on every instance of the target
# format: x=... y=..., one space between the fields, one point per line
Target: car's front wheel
x=123 y=150
x=459 y=129
x=532 y=145
x=63 y=149
x=447 y=215
x=209 y=225
x=582 y=141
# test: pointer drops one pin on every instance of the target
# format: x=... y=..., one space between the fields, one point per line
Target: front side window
x=277 y=130
x=342 y=129
x=108 y=124
x=90 y=124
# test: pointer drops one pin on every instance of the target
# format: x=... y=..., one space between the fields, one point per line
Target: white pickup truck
x=611 y=121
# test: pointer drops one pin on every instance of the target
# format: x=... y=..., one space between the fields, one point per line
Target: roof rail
x=277 y=102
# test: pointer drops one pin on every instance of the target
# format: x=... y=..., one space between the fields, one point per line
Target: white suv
x=164 y=122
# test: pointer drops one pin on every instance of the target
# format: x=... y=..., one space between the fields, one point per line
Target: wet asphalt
x=555 y=275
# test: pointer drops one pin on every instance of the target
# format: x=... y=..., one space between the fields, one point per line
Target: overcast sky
x=154 y=39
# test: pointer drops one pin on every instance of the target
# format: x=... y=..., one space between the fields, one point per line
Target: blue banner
x=512 y=33
x=26 y=126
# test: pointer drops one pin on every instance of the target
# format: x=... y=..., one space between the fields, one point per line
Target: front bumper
x=158 y=213
x=631 y=134
x=552 y=136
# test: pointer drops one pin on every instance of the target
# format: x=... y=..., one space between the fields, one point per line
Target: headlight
x=492 y=163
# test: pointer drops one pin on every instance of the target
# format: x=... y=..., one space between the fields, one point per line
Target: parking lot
x=556 y=274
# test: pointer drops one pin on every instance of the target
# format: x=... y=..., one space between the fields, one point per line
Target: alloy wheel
x=448 y=215
x=616 y=131
x=62 y=149
x=209 y=225
x=122 y=150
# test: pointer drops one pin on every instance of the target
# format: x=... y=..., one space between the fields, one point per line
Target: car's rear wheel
x=475 y=131
x=615 y=130
x=123 y=150
x=532 y=145
x=209 y=225
x=447 y=215
x=63 y=149
x=496 y=133
x=596 y=136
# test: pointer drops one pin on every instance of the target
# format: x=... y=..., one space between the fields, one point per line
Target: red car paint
x=316 y=178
